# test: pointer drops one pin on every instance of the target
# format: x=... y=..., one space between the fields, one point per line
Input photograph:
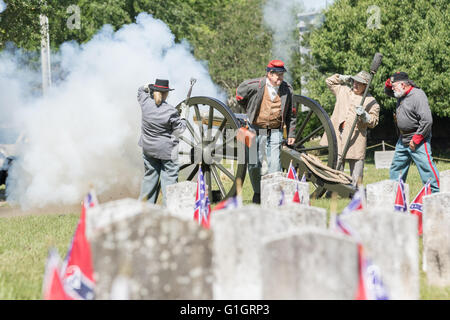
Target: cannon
x=210 y=143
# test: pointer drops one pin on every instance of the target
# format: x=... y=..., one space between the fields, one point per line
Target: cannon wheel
x=316 y=122
x=210 y=141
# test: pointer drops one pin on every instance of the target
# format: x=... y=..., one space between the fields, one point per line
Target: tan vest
x=269 y=112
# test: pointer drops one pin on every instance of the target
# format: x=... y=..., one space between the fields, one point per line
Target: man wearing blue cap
x=414 y=120
x=268 y=104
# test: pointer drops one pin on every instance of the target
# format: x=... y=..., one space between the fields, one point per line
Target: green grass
x=24 y=244
x=24 y=241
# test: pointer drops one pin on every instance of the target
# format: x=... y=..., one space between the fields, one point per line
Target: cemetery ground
x=25 y=239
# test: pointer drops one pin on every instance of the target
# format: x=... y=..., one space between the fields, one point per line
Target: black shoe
x=256 y=198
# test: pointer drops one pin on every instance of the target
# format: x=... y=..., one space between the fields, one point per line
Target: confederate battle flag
x=78 y=272
x=202 y=211
x=400 y=198
x=52 y=287
x=417 y=203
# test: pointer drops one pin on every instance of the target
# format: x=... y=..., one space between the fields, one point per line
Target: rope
x=380 y=144
x=393 y=147
x=313 y=163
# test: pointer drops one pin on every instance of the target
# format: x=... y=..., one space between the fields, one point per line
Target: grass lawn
x=25 y=240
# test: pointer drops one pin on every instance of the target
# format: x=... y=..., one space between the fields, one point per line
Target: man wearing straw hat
x=347 y=107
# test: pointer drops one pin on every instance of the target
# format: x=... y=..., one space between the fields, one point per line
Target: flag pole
x=239 y=187
x=333 y=208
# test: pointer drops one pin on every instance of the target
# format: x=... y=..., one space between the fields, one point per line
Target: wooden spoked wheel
x=313 y=122
x=209 y=142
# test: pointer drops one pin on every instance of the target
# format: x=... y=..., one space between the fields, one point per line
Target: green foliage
x=20 y=21
x=228 y=34
x=413 y=36
x=239 y=47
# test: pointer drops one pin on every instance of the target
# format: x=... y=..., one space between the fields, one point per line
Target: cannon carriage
x=210 y=142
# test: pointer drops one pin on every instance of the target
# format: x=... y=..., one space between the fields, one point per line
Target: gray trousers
x=271 y=143
x=356 y=170
x=356 y=167
x=156 y=170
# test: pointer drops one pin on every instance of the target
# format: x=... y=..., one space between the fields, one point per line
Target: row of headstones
x=435 y=222
x=254 y=252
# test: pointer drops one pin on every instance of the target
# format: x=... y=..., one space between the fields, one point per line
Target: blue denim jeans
x=272 y=145
x=422 y=158
x=157 y=170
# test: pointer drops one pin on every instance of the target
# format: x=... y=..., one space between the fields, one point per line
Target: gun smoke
x=281 y=18
x=2 y=6
x=85 y=130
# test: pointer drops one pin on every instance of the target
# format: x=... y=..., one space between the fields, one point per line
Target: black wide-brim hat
x=161 y=85
x=399 y=76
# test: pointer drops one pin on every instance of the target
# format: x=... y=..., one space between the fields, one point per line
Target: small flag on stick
x=292 y=174
x=202 y=211
x=78 y=271
x=52 y=287
x=400 y=198
x=416 y=206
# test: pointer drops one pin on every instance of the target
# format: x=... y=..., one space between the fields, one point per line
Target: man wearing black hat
x=268 y=104
x=161 y=127
x=414 y=121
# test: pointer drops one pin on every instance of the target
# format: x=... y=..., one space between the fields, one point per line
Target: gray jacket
x=161 y=127
x=413 y=114
x=250 y=94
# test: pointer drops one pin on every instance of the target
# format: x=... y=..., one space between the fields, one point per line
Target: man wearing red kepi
x=267 y=102
x=414 y=120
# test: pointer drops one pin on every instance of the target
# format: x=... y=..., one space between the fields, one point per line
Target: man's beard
x=399 y=94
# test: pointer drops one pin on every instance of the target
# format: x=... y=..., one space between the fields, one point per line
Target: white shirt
x=273 y=91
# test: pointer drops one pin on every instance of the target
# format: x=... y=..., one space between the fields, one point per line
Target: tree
x=239 y=48
x=228 y=34
x=413 y=36
x=20 y=21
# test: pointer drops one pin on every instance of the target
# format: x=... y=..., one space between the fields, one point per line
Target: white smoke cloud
x=2 y=6
x=281 y=18
x=85 y=131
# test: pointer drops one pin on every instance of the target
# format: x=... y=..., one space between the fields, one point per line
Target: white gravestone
x=271 y=191
x=151 y=255
x=181 y=199
x=310 y=264
x=436 y=238
x=237 y=247
x=382 y=194
x=390 y=241
x=383 y=159
x=444 y=180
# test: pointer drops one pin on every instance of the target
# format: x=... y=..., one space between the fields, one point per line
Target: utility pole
x=45 y=54
x=306 y=21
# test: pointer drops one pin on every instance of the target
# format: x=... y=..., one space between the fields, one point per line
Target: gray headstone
x=151 y=255
x=237 y=246
x=105 y=214
x=436 y=238
x=390 y=241
x=310 y=264
x=383 y=159
x=305 y=215
x=273 y=176
x=181 y=199
x=444 y=181
x=271 y=191
x=381 y=195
